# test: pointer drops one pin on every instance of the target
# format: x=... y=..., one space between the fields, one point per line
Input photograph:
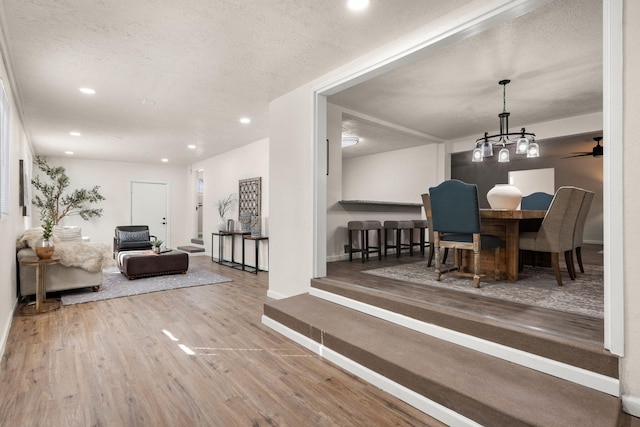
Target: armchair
x=132 y=238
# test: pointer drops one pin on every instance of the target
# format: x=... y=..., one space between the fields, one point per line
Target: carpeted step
x=583 y=354
x=483 y=388
x=190 y=249
x=198 y=242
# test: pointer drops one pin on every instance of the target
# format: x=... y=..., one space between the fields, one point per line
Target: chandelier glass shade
x=523 y=140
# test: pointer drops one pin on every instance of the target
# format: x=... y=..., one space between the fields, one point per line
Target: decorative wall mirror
x=249 y=197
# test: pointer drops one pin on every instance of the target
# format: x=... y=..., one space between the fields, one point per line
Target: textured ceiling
x=199 y=64
x=553 y=57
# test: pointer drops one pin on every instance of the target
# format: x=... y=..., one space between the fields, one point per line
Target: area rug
x=536 y=287
x=115 y=285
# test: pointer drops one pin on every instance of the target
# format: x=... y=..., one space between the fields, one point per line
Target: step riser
x=599 y=362
x=433 y=375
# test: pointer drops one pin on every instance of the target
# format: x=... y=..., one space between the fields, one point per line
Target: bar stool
x=398 y=226
x=364 y=227
x=421 y=225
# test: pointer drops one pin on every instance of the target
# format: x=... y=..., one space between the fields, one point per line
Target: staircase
x=456 y=368
x=195 y=248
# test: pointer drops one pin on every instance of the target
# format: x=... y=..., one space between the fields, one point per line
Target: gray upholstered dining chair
x=426 y=203
x=579 y=229
x=536 y=201
x=456 y=224
x=555 y=235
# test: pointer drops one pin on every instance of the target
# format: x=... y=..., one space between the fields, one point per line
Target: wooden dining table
x=507 y=225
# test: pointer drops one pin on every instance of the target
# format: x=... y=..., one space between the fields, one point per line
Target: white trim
x=613 y=179
x=429 y=407
x=276 y=295
x=5 y=333
x=542 y=364
x=631 y=404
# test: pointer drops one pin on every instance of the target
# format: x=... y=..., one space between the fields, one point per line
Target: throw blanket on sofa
x=93 y=257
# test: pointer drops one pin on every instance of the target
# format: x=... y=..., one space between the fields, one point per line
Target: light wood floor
x=109 y=363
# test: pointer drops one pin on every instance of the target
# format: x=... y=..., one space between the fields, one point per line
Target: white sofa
x=80 y=266
x=57 y=278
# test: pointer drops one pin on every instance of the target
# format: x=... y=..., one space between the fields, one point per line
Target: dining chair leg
x=476 y=268
x=437 y=254
x=497 y=264
x=555 y=263
x=568 y=259
x=431 y=253
x=579 y=258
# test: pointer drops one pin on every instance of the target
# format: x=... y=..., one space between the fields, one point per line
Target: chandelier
x=525 y=141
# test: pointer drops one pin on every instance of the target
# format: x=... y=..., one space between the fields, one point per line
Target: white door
x=149 y=206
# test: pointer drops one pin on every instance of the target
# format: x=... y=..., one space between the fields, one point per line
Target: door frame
x=478 y=20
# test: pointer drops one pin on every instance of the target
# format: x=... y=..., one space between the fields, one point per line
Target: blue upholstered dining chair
x=456 y=224
x=536 y=202
x=426 y=203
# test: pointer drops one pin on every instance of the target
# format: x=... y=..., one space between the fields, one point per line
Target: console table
x=222 y=235
x=256 y=241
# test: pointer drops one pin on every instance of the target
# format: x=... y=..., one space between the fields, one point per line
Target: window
x=4 y=156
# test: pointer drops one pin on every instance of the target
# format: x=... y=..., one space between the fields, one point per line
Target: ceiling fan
x=596 y=152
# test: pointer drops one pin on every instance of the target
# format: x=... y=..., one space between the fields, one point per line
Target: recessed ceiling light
x=74 y=133
x=87 y=91
x=164 y=160
x=357 y=4
x=245 y=120
x=191 y=147
x=69 y=153
x=349 y=141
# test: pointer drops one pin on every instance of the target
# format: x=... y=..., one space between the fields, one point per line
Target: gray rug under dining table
x=536 y=287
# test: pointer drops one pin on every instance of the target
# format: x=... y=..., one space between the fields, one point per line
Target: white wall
x=630 y=365
x=291 y=169
x=11 y=227
x=221 y=177
x=394 y=176
x=114 y=179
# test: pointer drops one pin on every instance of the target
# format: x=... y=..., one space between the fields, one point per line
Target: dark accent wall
x=584 y=172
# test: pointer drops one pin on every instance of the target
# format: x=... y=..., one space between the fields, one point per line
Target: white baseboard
x=276 y=295
x=5 y=332
x=631 y=404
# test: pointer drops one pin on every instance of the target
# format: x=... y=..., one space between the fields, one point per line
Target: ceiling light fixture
x=525 y=141
x=69 y=153
x=191 y=147
x=74 y=133
x=87 y=91
x=357 y=4
x=245 y=120
x=349 y=141
x=164 y=160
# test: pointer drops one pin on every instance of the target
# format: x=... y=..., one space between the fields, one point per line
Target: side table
x=42 y=304
x=256 y=242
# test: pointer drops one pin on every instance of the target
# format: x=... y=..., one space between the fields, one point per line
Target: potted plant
x=45 y=247
x=224 y=206
x=54 y=202
x=157 y=244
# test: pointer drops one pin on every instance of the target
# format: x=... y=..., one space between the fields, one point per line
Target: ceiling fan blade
x=579 y=155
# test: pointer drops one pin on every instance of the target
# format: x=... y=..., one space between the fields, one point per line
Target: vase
x=44 y=248
x=222 y=226
x=256 y=226
x=504 y=196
